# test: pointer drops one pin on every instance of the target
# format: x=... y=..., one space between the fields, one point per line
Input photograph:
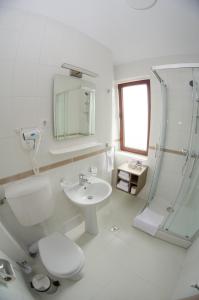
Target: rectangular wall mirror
x=74 y=107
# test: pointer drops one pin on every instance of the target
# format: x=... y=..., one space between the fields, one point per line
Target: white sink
x=88 y=196
x=92 y=193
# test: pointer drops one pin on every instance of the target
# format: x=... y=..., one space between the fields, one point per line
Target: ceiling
x=171 y=27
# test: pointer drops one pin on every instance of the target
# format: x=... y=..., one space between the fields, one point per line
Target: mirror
x=74 y=107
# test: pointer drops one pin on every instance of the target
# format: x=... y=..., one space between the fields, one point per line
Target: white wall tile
x=13 y=157
x=52 y=44
x=45 y=80
x=33 y=109
x=9 y=42
x=6 y=77
x=25 y=79
x=9 y=245
x=30 y=38
x=5 y=117
x=35 y=48
x=11 y=19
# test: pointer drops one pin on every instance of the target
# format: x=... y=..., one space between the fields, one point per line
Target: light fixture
x=141 y=4
x=78 y=72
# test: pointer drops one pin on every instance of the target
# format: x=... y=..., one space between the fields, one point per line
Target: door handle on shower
x=156 y=149
x=186 y=153
x=195 y=156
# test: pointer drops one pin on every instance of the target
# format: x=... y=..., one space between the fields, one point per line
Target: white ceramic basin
x=88 y=196
x=92 y=193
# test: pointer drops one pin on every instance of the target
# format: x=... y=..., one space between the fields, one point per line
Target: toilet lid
x=60 y=255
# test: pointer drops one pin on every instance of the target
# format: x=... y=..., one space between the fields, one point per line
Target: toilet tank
x=31 y=200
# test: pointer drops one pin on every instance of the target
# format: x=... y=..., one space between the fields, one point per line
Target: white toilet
x=32 y=203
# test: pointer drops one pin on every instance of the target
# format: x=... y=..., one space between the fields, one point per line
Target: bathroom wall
x=189 y=274
x=17 y=289
x=179 y=117
x=32 y=50
x=9 y=245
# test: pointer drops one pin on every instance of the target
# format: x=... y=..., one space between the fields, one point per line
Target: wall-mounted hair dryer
x=30 y=138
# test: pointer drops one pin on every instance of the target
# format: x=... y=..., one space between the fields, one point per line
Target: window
x=134 y=100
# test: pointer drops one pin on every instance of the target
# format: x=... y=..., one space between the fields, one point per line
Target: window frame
x=121 y=114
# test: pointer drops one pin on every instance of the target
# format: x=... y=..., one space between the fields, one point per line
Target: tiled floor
x=126 y=264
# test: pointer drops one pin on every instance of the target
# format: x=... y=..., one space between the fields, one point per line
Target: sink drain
x=90 y=197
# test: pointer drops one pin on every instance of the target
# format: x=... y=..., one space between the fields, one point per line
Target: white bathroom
x=99 y=167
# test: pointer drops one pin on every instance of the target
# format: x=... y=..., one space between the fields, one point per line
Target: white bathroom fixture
x=61 y=256
x=30 y=137
x=32 y=203
x=30 y=141
x=141 y=4
x=76 y=148
x=148 y=221
x=77 y=71
x=93 y=192
x=30 y=200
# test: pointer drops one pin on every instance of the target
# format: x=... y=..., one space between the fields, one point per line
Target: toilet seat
x=60 y=255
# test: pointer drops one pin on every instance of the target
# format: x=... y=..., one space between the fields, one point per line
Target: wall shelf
x=74 y=148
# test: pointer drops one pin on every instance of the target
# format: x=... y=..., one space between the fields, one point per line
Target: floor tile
x=126 y=264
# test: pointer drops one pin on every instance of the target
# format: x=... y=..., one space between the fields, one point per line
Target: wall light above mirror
x=74 y=107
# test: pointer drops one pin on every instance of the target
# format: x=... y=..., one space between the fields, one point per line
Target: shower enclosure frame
x=162 y=233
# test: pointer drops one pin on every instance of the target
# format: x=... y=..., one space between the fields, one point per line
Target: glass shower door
x=183 y=219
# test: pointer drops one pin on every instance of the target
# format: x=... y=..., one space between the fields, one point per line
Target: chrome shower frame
x=162 y=233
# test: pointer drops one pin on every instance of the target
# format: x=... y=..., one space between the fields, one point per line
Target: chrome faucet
x=82 y=179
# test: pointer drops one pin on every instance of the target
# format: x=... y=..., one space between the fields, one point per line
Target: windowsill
x=132 y=155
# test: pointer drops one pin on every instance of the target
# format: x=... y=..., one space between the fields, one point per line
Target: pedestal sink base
x=87 y=196
x=91 y=225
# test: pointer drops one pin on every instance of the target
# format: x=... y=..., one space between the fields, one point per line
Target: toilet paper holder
x=6 y=271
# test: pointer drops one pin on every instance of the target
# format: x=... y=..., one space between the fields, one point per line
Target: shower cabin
x=174 y=191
